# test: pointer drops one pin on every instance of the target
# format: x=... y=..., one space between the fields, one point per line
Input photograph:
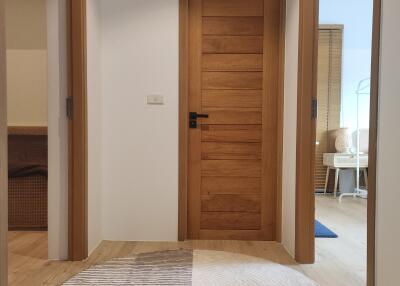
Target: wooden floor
x=339 y=261
x=32 y=269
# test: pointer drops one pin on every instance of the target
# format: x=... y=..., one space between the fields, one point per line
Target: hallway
x=331 y=269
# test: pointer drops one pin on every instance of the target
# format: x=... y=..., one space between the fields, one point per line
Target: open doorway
x=338 y=263
x=342 y=140
x=64 y=81
x=27 y=121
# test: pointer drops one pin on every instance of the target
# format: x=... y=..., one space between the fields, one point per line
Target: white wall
x=94 y=89
x=290 y=127
x=388 y=193
x=57 y=130
x=356 y=15
x=26 y=62
x=140 y=57
x=27 y=87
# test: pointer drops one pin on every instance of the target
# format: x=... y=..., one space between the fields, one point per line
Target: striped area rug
x=187 y=268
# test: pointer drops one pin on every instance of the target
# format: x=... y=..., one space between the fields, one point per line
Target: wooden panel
x=233 y=116
x=232 y=80
x=231 y=203
x=183 y=119
x=230 y=221
x=248 y=26
x=27 y=130
x=239 y=83
x=232 y=98
x=229 y=185
x=270 y=151
x=231 y=168
x=3 y=155
x=306 y=128
x=279 y=112
x=232 y=44
x=231 y=133
x=233 y=8
x=194 y=148
x=27 y=150
x=246 y=235
x=373 y=133
x=232 y=62
x=230 y=151
x=78 y=183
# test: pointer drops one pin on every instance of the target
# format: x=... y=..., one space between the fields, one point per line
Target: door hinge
x=314 y=108
x=70 y=107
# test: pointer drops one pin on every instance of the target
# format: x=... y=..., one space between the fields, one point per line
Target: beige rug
x=191 y=268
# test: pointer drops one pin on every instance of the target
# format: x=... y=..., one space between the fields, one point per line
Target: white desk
x=340 y=161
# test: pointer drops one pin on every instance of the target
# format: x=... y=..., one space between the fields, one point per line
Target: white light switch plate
x=155 y=99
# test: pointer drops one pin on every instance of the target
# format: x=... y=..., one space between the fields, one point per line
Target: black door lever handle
x=193 y=116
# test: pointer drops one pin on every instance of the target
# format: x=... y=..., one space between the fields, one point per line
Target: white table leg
x=366 y=178
x=336 y=182
x=328 y=169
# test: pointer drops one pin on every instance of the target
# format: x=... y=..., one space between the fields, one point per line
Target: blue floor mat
x=322 y=231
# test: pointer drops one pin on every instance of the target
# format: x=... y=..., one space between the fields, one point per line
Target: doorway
x=68 y=88
x=234 y=108
x=362 y=172
x=342 y=137
x=27 y=105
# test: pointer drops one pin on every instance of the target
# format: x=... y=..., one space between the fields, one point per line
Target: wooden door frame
x=184 y=124
x=306 y=131
x=183 y=118
x=77 y=207
x=77 y=129
x=3 y=155
x=305 y=200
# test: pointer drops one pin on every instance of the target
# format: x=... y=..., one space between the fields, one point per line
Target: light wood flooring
x=339 y=261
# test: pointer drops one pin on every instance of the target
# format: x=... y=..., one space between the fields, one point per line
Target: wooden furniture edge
x=27 y=130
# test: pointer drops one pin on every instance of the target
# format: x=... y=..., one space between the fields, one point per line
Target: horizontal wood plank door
x=234 y=72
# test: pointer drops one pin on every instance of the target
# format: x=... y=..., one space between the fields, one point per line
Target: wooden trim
x=282 y=39
x=27 y=130
x=194 y=103
x=3 y=155
x=183 y=117
x=373 y=137
x=273 y=121
x=78 y=225
x=306 y=131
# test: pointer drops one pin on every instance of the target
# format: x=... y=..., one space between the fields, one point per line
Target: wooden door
x=234 y=69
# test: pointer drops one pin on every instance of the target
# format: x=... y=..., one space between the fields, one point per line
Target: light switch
x=155 y=99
